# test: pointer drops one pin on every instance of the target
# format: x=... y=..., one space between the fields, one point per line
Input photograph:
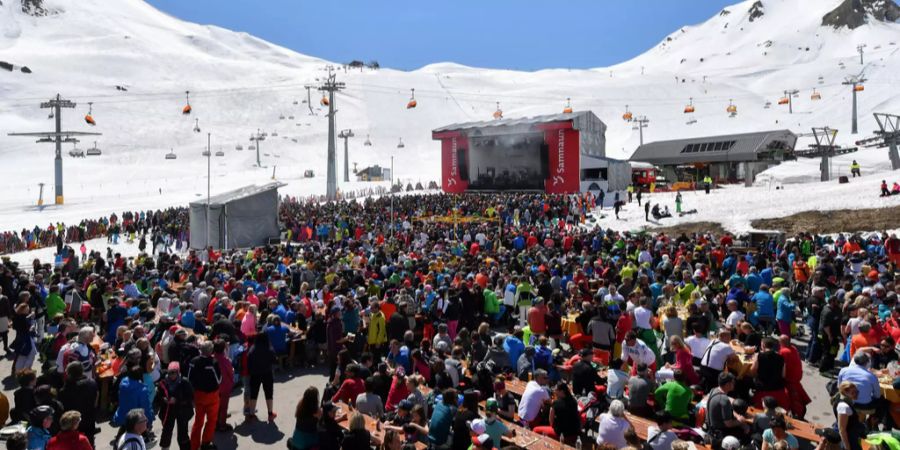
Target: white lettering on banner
x=560 y=158
x=454 y=162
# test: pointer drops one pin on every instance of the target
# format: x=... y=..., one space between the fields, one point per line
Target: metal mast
x=346 y=135
x=331 y=86
x=853 y=82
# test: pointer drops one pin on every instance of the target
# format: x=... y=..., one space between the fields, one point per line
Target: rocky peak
x=35 y=8
x=855 y=13
x=757 y=10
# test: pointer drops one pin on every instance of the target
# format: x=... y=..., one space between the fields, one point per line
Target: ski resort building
x=242 y=218
x=725 y=158
x=559 y=153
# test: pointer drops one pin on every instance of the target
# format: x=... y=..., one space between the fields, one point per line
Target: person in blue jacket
x=39 y=421
x=133 y=394
x=764 y=316
x=514 y=346
x=785 y=312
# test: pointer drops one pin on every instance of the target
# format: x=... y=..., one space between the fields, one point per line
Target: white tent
x=245 y=217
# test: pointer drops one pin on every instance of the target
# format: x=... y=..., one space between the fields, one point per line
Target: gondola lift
x=89 y=118
x=627 y=116
x=689 y=109
x=498 y=114
x=171 y=154
x=568 y=108
x=412 y=100
x=187 y=107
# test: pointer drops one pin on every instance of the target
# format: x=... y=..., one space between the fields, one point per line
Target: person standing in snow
x=647 y=212
x=678 y=202
x=854 y=169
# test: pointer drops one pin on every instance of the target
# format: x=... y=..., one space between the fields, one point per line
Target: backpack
x=125 y=445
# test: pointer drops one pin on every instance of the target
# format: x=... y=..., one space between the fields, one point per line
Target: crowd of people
x=172 y=224
x=454 y=323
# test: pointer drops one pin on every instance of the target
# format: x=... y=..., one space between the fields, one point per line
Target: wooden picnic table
x=371 y=425
x=799 y=428
x=642 y=426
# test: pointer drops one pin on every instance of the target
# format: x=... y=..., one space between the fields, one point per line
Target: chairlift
x=239 y=147
x=412 y=99
x=295 y=102
x=171 y=154
x=815 y=95
x=274 y=134
x=732 y=109
x=94 y=151
x=859 y=88
x=691 y=122
x=294 y=140
x=281 y=117
x=368 y=142
x=400 y=145
x=767 y=105
x=568 y=108
x=187 y=107
x=628 y=117
x=689 y=109
x=206 y=153
x=308 y=174
x=196 y=125
x=76 y=152
x=784 y=101
x=89 y=118
x=291 y=117
x=252 y=147
x=498 y=114
x=220 y=153
x=324 y=101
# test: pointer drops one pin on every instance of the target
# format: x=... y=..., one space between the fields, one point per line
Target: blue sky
x=408 y=34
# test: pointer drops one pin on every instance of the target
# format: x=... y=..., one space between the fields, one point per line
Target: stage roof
x=524 y=121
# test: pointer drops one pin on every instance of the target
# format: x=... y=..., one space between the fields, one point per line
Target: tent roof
x=745 y=147
x=524 y=121
x=238 y=194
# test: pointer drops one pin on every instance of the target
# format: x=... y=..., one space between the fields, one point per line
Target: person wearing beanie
x=176 y=405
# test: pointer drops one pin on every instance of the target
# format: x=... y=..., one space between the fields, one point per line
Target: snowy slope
x=240 y=83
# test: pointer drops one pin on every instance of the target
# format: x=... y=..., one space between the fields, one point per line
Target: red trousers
x=223 y=406
x=206 y=408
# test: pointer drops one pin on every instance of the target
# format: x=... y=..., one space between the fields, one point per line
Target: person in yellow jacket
x=854 y=169
x=377 y=338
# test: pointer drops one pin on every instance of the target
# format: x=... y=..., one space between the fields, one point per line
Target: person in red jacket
x=69 y=438
x=351 y=387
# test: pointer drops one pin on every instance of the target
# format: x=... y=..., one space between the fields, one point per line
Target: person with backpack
x=136 y=424
x=79 y=393
x=205 y=377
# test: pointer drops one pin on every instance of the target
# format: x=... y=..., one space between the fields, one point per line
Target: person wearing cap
x=176 y=407
x=720 y=417
x=39 y=421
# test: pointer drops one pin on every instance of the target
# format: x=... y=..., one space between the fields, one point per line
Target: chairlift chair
x=815 y=95
x=689 y=109
x=732 y=109
x=691 y=122
x=171 y=154
x=281 y=117
x=206 y=153
x=784 y=101
x=239 y=147
x=568 y=108
x=498 y=114
x=859 y=88
x=291 y=117
x=274 y=134
x=94 y=151
x=767 y=105
x=187 y=107
x=628 y=117
x=368 y=142
x=220 y=153
x=196 y=125
x=400 y=145
x=295 y=102
x=252 y=147
x=76 y=152
x=324 y=101
x=89 y=118
x=412 y=99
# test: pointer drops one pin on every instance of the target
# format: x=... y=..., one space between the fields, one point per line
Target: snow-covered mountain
x=134 y=63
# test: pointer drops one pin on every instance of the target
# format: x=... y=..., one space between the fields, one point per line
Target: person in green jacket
x=55 y=303
x=492 y=306
x=524 y=295
x=676 y=397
